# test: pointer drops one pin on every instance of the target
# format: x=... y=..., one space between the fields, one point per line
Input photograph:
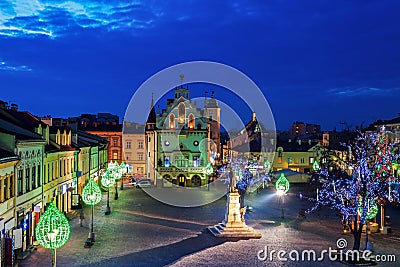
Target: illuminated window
x=115 y=154
x=181 y=113
x=166 y=161
x=195 y=161
x=172 y=121
x=191 y=121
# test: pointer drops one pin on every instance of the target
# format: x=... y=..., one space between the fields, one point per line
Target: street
x=141 y=231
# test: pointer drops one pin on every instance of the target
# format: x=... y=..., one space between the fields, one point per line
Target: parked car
x=143 y=183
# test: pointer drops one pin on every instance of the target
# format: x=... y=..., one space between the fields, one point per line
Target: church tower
x=213 y=113
x=151 y=144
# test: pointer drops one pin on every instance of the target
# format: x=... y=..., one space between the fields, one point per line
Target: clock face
x=196 y=143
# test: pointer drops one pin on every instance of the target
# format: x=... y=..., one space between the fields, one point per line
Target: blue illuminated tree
x=355 y=192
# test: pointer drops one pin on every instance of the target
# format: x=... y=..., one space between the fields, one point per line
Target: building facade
x=178 y=143
x=134 y=148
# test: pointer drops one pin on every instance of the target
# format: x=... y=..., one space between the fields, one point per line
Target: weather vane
x=181 y=76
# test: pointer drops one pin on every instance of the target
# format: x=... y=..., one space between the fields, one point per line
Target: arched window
x=172 y=121
x=191 y=121
x=181 y=113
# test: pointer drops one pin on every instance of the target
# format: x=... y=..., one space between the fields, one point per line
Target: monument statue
x=232 y=181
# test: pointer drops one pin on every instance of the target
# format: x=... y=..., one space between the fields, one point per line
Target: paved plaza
x=141 y=231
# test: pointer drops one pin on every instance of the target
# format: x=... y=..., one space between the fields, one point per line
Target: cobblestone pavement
x=141 y=231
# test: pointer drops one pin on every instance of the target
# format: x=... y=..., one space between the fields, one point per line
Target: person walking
x=81 y=218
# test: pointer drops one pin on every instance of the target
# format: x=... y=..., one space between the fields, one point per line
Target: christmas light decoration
x=53 y=229
x=316 y=166
x=107 y=180
x=209 y=169
x=369 y=179
x=91 y=193
x=282 y=184
x=371 y=209
x=383 y=169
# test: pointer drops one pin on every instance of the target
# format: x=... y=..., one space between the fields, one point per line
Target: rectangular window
x=302 y=160
x=5 y=188
x=115 y=142
x=38 y=175
x=140 y=144
x=19 y=185
x=195 y=161
x=33 y=177
x=289 y=160
x=11 y=186
x=115 y=155
x=27 y=180
x=140 y=156
x=128 y=144
x=166 y=162
x=311 y=160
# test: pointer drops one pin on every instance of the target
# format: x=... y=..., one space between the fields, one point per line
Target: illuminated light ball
x=209 y=169
x=53 y=229
x=282 y=185
x=107 y=180
x=372 y=209
x=316 y=166
x=91 y=193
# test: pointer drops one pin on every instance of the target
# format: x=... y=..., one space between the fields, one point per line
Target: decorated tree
x=355 y=191
x=246 y=174
x=383 y=170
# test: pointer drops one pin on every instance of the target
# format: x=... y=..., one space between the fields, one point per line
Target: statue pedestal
x=234 y=225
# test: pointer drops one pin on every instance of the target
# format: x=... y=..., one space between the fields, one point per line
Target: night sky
x=316 y=61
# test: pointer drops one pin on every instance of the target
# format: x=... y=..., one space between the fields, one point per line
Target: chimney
x=14 y=107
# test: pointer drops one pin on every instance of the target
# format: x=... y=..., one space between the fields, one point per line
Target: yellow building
x=133 y=142
x=296 y=156
x=8 y=165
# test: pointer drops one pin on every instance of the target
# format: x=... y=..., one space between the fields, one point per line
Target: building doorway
x=181 y=180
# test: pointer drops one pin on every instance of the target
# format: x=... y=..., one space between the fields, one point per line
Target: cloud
x=6 y=67
x=22 y=18
x=362 y=91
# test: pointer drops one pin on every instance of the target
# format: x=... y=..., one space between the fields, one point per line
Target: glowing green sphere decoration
x=315 y=166
x=372 y=209
x=107 y=180
x=209 y=169
x=91 y=193
x=282 y=184
x=53 y=229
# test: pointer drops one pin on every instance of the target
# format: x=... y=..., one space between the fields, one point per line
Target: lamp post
x=53 y=230
x=107 y=180
x=123 y=167
x=282 y=187
x=91 y=195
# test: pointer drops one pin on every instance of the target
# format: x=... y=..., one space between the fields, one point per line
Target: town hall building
x=179 y=143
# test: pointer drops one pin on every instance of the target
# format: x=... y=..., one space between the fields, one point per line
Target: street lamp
x=107 y=180
x=53 y=230
x=91 y=195
x=123 y=167
x=282 y=187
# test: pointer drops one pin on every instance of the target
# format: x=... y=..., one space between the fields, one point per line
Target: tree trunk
x=357 y=234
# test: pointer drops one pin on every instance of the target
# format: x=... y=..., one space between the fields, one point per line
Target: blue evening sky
x=315 y=61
